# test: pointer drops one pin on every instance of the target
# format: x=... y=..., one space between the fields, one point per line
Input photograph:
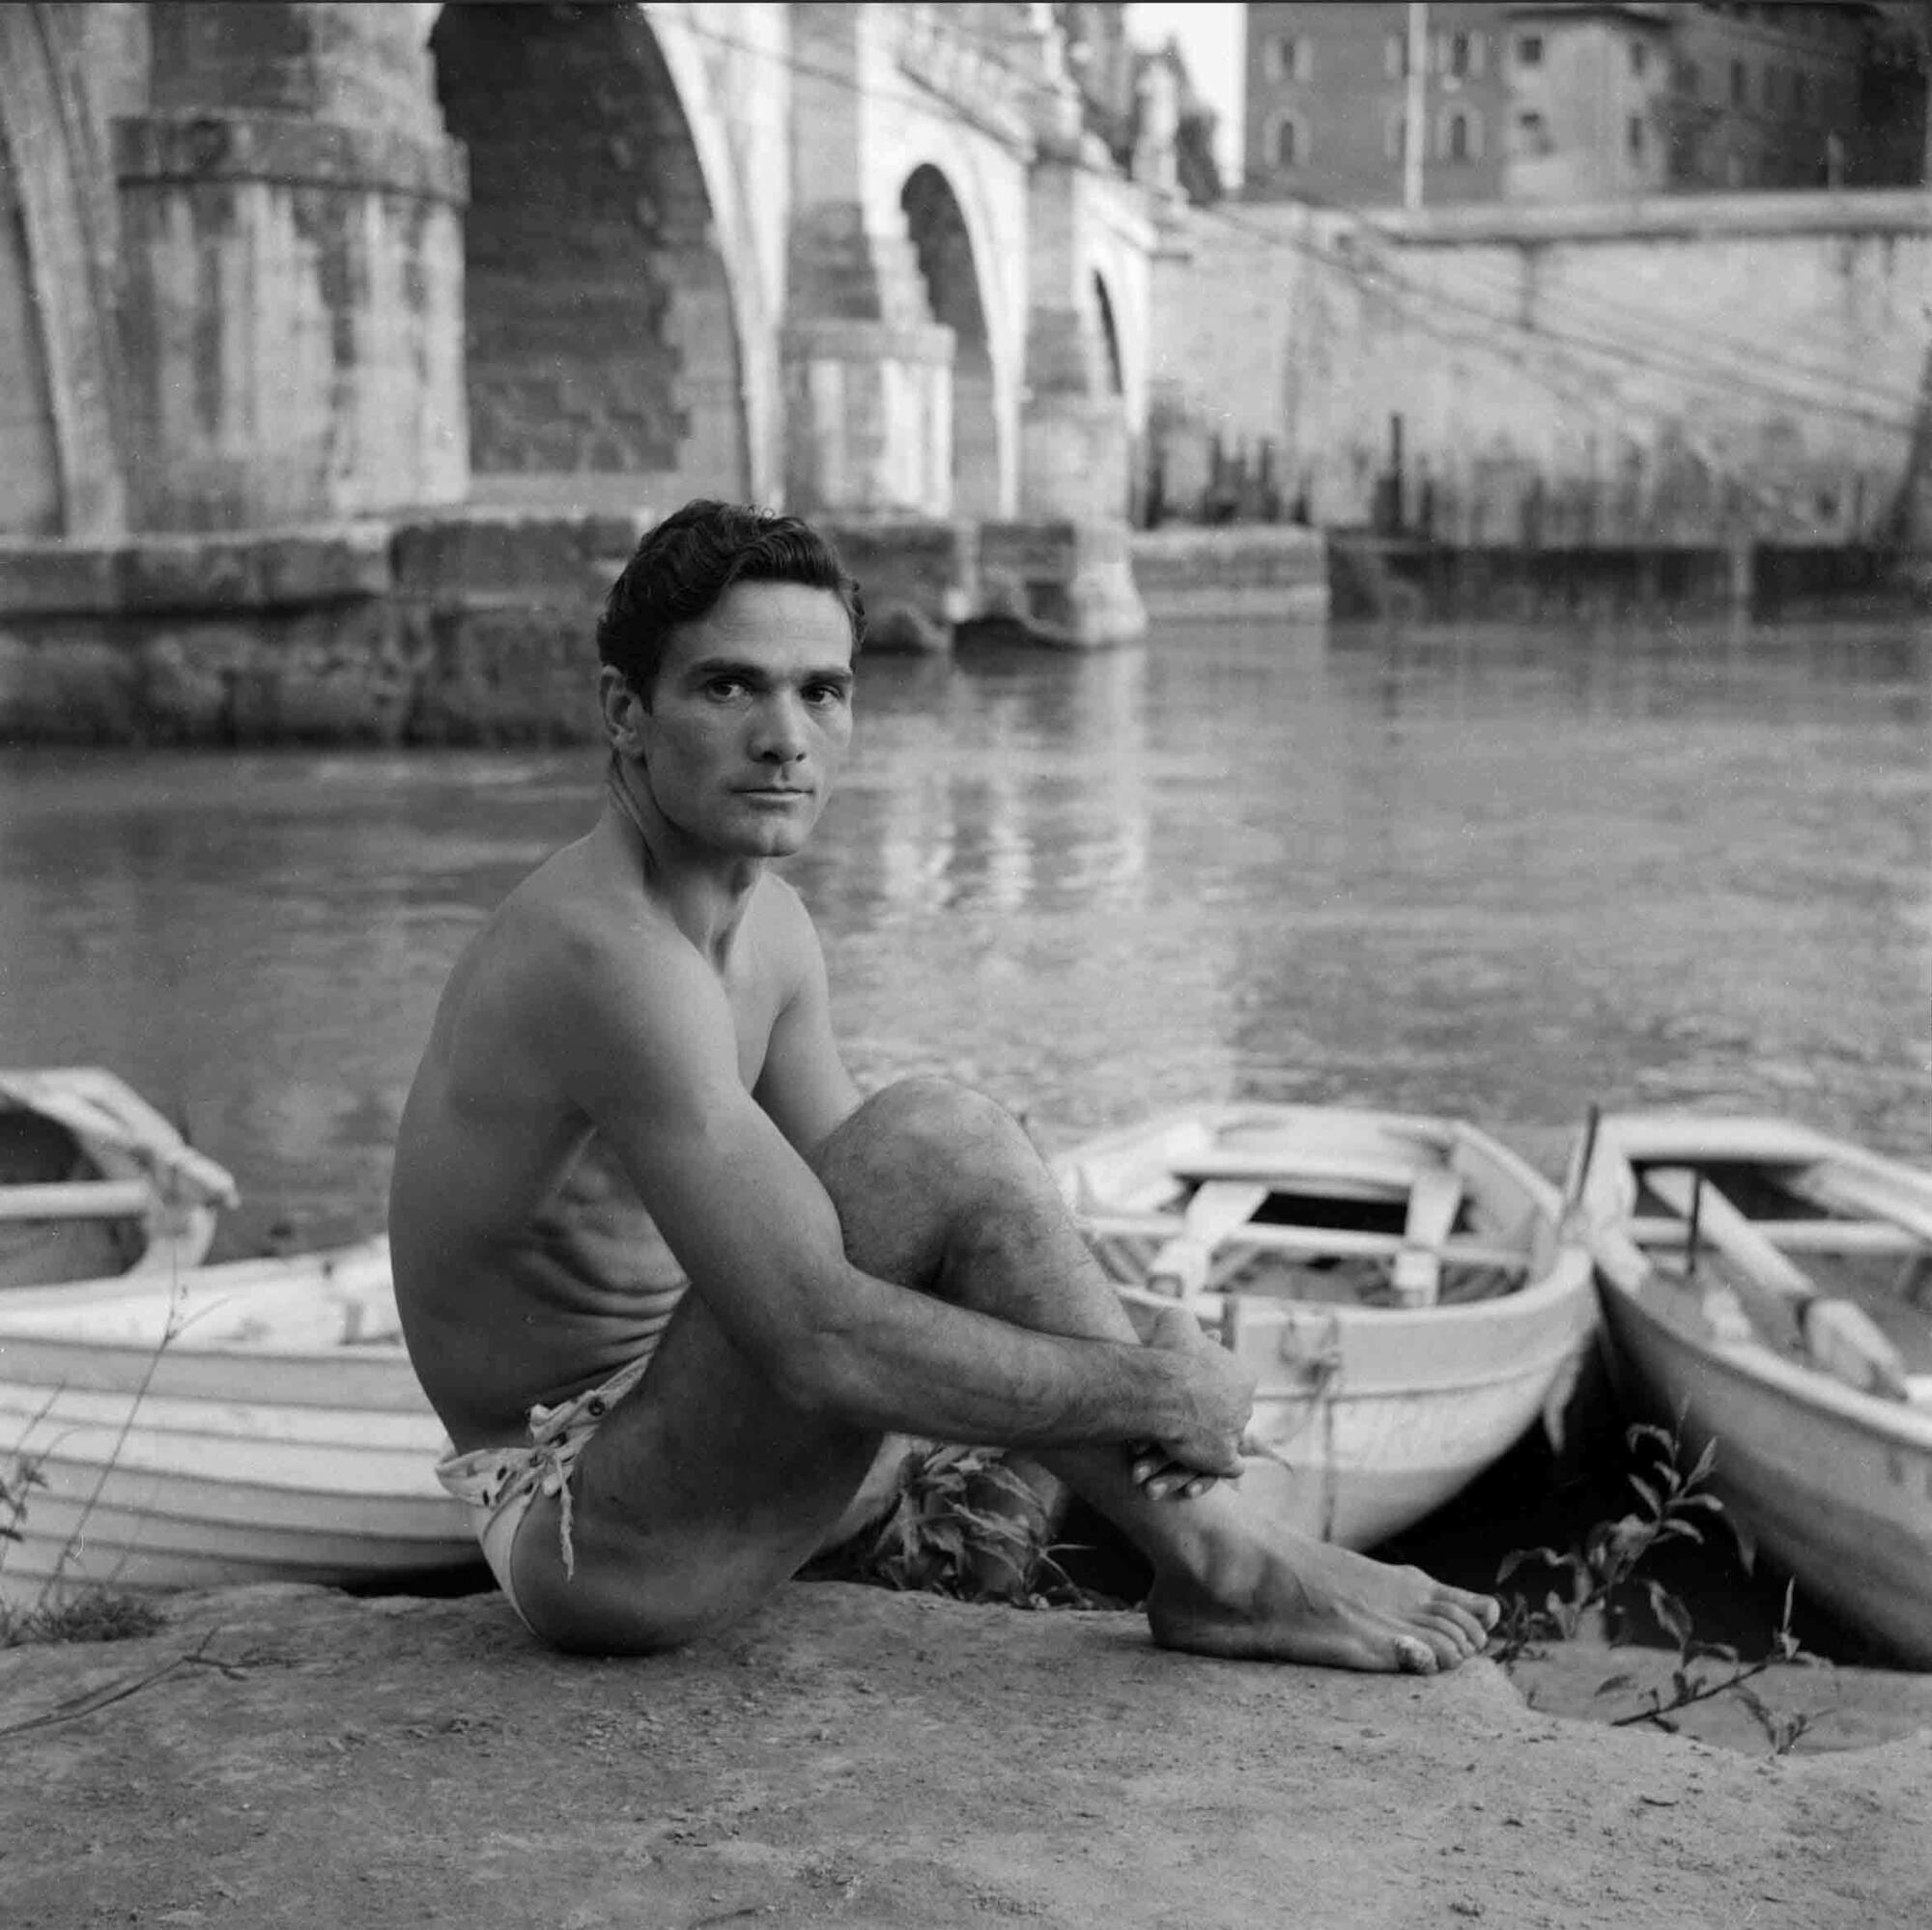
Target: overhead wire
x=1664 y=356
x=1671 y=361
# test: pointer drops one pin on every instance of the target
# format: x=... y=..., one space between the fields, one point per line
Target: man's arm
x=803 y=1086
x=641 y=1040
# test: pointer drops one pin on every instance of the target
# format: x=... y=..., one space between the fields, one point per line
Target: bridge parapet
x=983 y=72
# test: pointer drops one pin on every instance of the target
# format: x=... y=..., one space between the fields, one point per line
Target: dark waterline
x=1498 y=871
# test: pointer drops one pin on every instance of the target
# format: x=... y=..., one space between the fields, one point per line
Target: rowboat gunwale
x=1823 y=1514
x=194 y=1440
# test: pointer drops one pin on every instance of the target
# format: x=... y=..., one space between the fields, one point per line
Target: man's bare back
x=631 y=1082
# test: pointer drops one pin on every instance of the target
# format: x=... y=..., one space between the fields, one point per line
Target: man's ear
x=623 y=711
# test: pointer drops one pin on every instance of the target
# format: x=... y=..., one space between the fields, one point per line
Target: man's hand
x=1221 y=1394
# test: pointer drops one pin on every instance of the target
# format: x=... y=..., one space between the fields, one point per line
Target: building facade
x=1590 y=102
x=1330 y=102
x=1576 y=102
x=1768 y=97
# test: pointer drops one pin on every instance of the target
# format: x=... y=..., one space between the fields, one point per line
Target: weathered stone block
x=1234 y=571
x=265 y=571
x=488 y=557
x=1075 y=578
x=187 y=675
x=49 y=578
x=337 y=678
x=504 y=676
x=75 y=686
x=916 y=579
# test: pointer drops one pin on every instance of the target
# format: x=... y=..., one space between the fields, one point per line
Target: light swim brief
x=501 y=1484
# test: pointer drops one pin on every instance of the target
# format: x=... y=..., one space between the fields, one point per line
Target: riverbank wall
x=470 y=627
x=474 y=627
x=1670 y=379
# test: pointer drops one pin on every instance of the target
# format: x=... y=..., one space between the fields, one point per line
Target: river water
x=1498 y=871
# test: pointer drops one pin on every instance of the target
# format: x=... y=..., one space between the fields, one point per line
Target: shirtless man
x=674 y=1287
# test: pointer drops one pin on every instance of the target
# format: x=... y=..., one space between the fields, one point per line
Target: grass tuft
x=93 y=1615
x=964 y=1522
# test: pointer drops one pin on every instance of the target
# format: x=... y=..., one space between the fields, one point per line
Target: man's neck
x=705 y=891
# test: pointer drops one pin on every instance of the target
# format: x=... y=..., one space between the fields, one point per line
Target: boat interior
x=43 y=1167
x=1374 y=1214
x=1789 y=1238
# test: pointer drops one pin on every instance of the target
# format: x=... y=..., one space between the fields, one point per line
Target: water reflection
x=1499 y=869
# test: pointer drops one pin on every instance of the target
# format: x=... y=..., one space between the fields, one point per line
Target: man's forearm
x=899 y=1361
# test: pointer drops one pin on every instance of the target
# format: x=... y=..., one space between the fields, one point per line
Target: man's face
x=749 y=718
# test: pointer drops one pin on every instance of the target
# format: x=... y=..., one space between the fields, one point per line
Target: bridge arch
x=1112 y=376
x=615 y=303
x=936 y=226
x=985 y=183
x=59 y=419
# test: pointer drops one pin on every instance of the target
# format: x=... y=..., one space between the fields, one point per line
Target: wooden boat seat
x=1839 y=1336
x=1841 y=1189
x=1298 y=1243
x=1434 y=1202
x=1288 y=1172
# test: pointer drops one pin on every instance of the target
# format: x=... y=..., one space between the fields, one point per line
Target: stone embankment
x=471 y=627
x=297 y=1757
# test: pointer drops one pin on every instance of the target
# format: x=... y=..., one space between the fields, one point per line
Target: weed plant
x=1596 y=1590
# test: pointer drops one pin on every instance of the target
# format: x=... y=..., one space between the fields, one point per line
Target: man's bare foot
x=1286 y=1598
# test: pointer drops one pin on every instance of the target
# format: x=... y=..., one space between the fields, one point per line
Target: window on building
x=1290 y=143
x=1286 y=57
x=1690 y=78
x=1529 y=50
x=1395 y=56
x=1740 y=83
x=1639 y=60
x=1462 y=137
x=1532 y=134
x=1395 y=137
x=1460 y=55
x=1634 y=137
x=1801 y=94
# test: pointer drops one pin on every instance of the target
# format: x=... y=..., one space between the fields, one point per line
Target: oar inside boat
x=1839 y=1336
x=1890 y=1202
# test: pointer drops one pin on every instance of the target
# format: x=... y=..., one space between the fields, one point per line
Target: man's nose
x=780 y=734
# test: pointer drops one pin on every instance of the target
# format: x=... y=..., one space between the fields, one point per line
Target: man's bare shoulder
x=575 y=909
x=572 y=939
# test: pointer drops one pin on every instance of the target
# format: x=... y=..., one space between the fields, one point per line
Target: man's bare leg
x=704 y=1490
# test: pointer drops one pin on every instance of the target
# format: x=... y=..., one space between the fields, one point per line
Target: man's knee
x=911 y=1166
x=926 y=1125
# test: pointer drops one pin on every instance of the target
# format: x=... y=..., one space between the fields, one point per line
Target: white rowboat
x=1793 y=1329
x=258 y=1421
x=96 y=1183
x=1401 y=1287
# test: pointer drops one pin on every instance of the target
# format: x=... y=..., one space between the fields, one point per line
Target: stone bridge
x=289 y=267
x=302 y=262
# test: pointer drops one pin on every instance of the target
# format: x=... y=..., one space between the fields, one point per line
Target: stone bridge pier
x=344 y=347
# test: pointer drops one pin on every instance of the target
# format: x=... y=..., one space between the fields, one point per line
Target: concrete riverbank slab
x=294 y=1756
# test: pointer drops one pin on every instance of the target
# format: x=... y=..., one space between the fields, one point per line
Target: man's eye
x=724 y=686
x=826 y=693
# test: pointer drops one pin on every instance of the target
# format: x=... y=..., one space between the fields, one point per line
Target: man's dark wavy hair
x=687 y=562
